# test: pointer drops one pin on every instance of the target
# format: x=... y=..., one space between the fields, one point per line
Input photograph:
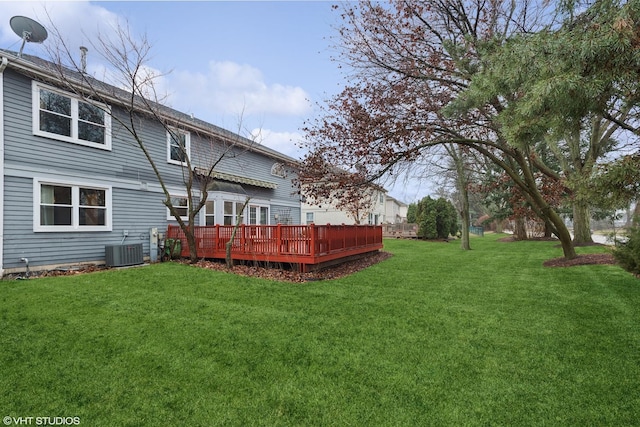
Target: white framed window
x=59 y=115
x=231 y=212
x=309 y=217
x=224 y=208
x=181 y=205
x=178 y=147
x=210 y=212
x=258 y=215
x=70 y=206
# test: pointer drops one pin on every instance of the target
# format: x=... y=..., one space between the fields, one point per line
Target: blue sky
x=251 y=67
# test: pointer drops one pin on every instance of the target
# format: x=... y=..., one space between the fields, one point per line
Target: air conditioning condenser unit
x=123 y=255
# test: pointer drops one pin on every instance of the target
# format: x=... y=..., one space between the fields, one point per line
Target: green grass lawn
x=432 y=336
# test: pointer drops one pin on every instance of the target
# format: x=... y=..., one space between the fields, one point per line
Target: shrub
x=437 y=219
x=627 y=253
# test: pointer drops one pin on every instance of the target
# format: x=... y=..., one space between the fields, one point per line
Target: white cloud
x=230 y=88
x=152 y=81
x=224 y=88
x=284 y=142
x=78 y=22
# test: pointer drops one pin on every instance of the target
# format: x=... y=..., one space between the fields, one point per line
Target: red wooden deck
x=301 y=245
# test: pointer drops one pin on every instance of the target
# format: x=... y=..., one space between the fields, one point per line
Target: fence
x=476 y=230
x=402 y=230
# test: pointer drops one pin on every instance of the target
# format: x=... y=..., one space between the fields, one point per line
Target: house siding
x=328 y=213
x=61 y=248
x=136 y=195
x=395 y=211
x=125 y=160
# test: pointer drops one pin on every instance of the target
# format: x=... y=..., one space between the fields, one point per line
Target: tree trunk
x=636 y=215
x=519 y=229
x=466 y=223
x=568 y=249
x=581 y=223
x=191 y=240
x=546 y=211
x=229 y=245
x=465 y=215
x=193 y=247
x=563 y=234
x=548 y=229
x=458 y=158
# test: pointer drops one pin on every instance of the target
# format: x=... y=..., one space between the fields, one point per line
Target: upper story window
x=63 y=206
x=61 y=116
x=178 y=146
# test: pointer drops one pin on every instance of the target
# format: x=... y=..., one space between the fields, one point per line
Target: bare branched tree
x=128 y=93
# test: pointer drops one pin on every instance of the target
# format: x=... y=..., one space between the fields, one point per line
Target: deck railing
x=296 y=244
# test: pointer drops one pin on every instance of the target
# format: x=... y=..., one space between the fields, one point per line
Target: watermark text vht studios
x=40 y=421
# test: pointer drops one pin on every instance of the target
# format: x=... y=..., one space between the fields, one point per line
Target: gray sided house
x=74 y=182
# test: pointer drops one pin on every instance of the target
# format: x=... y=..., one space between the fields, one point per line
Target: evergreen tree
x=437 y=219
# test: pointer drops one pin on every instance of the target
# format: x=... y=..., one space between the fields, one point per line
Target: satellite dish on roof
x=28 y=29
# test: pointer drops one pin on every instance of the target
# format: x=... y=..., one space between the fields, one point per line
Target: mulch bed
x=587 y=259
x=287 y=275
x=71 y=271
x=509 y=239
x=270 y=273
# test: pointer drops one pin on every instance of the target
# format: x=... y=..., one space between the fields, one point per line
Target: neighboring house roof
x=49 y=71
x=396 y=201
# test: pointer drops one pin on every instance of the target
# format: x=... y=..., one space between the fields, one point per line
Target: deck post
x=344 y=237
x=243 y=240
x=216 y=242
x=279 y=239
x=313 y=236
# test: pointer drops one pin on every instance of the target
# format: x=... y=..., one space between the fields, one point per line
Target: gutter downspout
x=3 y=65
